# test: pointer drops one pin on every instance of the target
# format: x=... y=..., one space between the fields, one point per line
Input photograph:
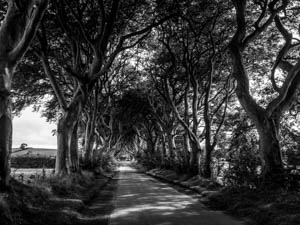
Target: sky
x=32 y=129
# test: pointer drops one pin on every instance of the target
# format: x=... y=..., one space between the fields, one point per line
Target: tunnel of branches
x=199 y=87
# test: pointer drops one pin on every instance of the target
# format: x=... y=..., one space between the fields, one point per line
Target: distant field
x=34 y=152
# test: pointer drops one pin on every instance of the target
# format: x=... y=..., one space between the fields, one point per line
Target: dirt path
x=142 y=200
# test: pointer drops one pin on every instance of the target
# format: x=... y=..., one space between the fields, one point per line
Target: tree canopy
x=176 y=84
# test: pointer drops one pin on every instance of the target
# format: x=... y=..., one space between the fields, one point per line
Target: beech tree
x=140 y=126
x=266 y=119
x=16 y=33
x=96 y=32
x=194 y=78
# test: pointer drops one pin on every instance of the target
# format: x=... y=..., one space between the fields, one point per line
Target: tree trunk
x=89 y=140
x=205 y=167
x=156 y=154
x=171 y=146
x=62 y=166
x=88 y=155
x=187 y=150
x=164 y=150
x=194 y=158
x=88 y=144
x=272 y=166
x=65 y=134
x=5 y=140
x=16 y=32
x=74 y=159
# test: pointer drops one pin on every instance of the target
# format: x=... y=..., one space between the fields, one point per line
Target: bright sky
x=32 y=129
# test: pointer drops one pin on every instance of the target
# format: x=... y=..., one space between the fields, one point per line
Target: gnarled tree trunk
x=16 y=32
x=65 y=138
x=89 y=141
x=194 y=159
x=74 y=157
x=272 y=166
x=187 y=150
x=205 y=165
x=164 y=150
x=171 y=147
x=5 y=137
x=62 y=164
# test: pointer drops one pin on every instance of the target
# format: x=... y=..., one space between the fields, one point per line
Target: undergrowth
x=71 y=186
x=32 y=205
x=261 y=206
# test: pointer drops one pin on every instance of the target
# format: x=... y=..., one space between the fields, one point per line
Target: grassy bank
x=257 y=207
x=49 y=201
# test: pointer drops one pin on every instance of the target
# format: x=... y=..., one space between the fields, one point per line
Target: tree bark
x=65 y=138
x=187 y=150
x=205 y=165
x=16 y=33
x=272 y=167
x=74 y=164
x=89 y=142
x=194 y=159
x=171 y=146
x=5 y=140
x=62 y=166
x=164 y=150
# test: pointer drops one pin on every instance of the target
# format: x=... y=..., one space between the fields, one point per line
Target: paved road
x=142 y=200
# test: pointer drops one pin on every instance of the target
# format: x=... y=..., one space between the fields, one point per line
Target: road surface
x=142 y=200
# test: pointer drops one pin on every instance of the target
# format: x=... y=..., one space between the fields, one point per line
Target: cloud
x=32 y=129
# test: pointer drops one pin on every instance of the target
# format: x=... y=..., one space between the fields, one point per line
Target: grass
x=256 y=206
x=261 y=206
x=45 y=200
x=17 y=204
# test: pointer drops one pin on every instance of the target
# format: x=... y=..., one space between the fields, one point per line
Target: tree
x=16 y=33
x=194 y=79
x=266 y=119
x=139 y=124
x=94 y=34
x=23 y=146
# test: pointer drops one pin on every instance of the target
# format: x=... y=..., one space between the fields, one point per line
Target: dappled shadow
x=143 y=200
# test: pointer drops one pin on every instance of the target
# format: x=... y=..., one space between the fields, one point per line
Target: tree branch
x=57 y=90
x=283 y=51
x=36 y=16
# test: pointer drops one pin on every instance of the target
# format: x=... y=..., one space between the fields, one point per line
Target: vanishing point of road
x=142 y=200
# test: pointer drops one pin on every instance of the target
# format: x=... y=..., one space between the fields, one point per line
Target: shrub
x=32 y=162
x=243 y=158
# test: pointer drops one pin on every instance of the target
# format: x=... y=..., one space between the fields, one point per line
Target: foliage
x=145 y=82
x=243 y=157
x=71 y=185
x=260 y=207
x=32 y=162
x=107 y=162
x=290 y=137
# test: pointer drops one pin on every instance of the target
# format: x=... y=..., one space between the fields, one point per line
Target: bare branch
x=36 y=16
x=57 y=90
x=282 y=53
x=259 y=29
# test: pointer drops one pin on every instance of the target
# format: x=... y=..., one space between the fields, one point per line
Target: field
x=42 y=152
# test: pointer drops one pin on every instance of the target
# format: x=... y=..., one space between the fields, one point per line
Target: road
x=142 y=200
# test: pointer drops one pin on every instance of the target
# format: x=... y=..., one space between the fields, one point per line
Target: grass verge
x=257 y=207
x=49 y=201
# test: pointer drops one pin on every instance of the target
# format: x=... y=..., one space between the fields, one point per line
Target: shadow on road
x=142 y=200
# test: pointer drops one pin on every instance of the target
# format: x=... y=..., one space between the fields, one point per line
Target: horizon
x=34 y=130
x=28 y=148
